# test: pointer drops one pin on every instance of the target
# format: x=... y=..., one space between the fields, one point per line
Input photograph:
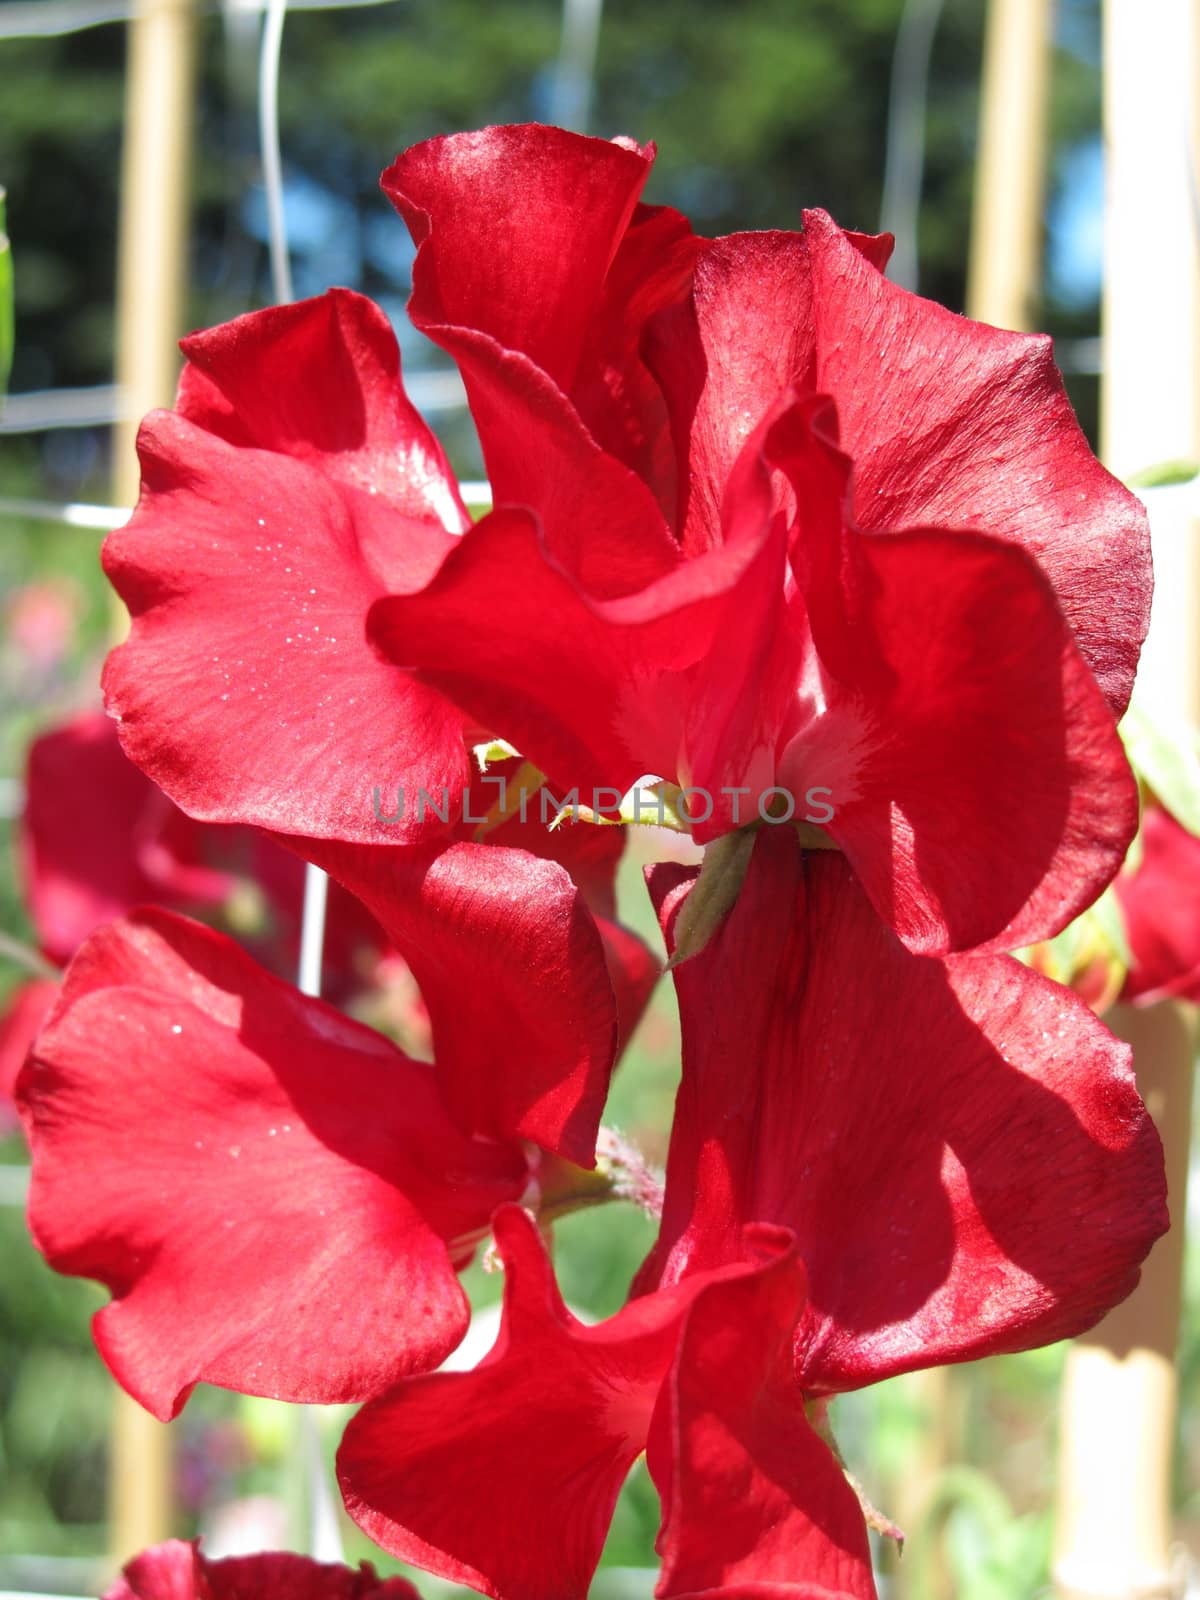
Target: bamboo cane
x=1010 y=168
x=151 y=262
x=1118 y=1414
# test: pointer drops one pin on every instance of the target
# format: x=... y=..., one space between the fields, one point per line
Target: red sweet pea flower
x=879 y=574
x=1160 y=904
x=928 y=1134
x=178 y=1571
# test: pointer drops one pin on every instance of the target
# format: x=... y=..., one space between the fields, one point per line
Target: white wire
x=324 y=1532
x=44 y=19
x=268 y=134
x=575 y=72
x=904 y=162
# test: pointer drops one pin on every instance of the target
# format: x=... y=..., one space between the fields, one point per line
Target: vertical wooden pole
x=1119 y=1396
x=153 y=234
x=151 y=277
x=1004 y=271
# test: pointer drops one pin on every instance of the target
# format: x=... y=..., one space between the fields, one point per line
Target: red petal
x=958 y=1145
x=953 y=424
x=320 y=381
x=271 y=1191
x=595 y=691
x=93 y=837
x=754 y=1502
x=977 y=780
x=1160 y=903
x=514 y=293
x=528 y=275
x=277 y=713
x=615 y=394
x=724 y=360
x=25 y=1010
x=512 y=968
x=178 y=1571
x=505 y=1477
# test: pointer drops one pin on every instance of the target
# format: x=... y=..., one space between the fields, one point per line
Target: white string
x=904 y=162
x=268 y=135
x=575 y=72
x=324 y=1531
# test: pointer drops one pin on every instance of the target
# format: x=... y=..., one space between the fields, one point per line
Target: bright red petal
x=977 y=781
x=515 y=293
x=725 y=358
x=952 y=424
x=271 y=1192
x=1160 y=902
x=512 y=969
x=536 y=1441
x=754 y=1502
x=529 y=275
x=178 y=1571
x=958 y=1145
x=246 y=689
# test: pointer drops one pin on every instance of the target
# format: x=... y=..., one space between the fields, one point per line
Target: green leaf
x=1164 y=474
x=1166 y=756
x=6 y=301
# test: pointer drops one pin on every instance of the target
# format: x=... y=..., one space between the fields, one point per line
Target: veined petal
x=276 y=712
x=952 y=424
x=957 y=1145
x=538 y=280
x=272 y=1192
x=517 y=316
x=754 y=1503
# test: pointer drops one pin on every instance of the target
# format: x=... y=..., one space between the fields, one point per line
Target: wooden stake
x=1118 y=1412
x=1004 y=271
x=151 y=275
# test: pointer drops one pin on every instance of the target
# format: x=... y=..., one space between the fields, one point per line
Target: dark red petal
x=271 y=1192
x=25 y=1009
x=958 y=1145
x=754 y=1502
x=178 y=1571
x=1160 y=903
x=512 y=968
x=953 y=424
x=92 y=837
x=505 y=1477
x=529 y=274
x=277 y=712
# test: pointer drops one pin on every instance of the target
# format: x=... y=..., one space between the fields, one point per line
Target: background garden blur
x=758 y=107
